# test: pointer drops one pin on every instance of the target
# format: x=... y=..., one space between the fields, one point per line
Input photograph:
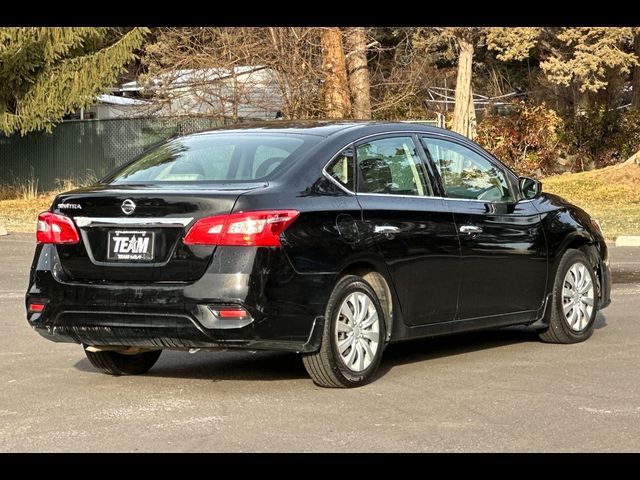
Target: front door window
x=466 y=174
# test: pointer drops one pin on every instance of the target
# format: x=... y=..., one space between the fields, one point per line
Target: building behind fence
x=87 y=149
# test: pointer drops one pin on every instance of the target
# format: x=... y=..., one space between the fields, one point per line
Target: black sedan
x=328 y=239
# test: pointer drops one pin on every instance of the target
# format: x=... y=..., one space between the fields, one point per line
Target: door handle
x=470 y=229
x=385 y=229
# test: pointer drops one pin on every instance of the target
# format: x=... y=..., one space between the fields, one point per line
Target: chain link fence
x=85 y=149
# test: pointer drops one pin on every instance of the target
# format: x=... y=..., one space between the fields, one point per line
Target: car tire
x=114 y=363
x=574 y=304
x=353 y=337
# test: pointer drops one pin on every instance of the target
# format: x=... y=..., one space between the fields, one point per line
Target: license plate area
x=130 y=246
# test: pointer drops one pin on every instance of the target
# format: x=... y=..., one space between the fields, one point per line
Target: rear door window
x=391 y=166
x=341 y=169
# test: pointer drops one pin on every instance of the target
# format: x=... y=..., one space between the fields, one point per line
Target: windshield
x=215 y=158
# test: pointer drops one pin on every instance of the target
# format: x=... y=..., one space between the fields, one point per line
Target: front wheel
x=353 y=336
x=574 y=303
x=114 y=363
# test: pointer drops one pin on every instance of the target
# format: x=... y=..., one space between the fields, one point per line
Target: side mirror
x=530 y=188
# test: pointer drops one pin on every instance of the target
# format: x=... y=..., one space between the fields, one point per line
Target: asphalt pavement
x=499 y=390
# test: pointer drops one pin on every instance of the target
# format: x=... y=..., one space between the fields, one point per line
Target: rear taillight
x=54 y=228
x=251 y=229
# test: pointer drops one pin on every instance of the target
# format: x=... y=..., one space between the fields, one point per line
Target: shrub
x=605 y=136
x=527 y=140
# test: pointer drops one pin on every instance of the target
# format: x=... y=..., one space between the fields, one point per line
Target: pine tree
x=47 y=72
x=571 y=56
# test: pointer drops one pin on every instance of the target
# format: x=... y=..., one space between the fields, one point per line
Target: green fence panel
x=78 y=150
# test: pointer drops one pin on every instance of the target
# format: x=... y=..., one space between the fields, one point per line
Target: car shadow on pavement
x=267 y=366
x=426 y=349
x=223 y=365
x=601 y=321
x=451 y=345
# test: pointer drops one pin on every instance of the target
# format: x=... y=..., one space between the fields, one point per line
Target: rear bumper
x=176 y=315
x=159 y=331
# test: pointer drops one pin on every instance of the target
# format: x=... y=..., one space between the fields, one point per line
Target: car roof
x=323 y=128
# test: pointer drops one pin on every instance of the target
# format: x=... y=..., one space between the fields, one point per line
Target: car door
x=412 y=228
x=504 y=259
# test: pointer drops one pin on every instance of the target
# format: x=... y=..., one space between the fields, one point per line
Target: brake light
x=54 y=228
x=251 y=229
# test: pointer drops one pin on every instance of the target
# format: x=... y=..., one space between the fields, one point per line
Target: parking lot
x=490 y=391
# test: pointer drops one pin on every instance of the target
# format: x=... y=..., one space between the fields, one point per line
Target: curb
x=628 y=241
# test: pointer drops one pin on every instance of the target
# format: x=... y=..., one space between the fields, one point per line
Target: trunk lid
x=143 y=245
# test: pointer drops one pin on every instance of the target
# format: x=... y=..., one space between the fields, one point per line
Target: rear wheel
x=115 y=363
x=353 y=337
x=574 y=304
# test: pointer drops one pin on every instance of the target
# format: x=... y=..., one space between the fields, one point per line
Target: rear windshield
x=215 y=158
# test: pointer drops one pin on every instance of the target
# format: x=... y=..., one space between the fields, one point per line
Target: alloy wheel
x=578 y=296
x=357 y=331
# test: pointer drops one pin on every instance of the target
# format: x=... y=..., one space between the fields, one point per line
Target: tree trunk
x=336 y=86
x=234 y=98
x=581 y=101
x=358 y=70
x=635 y=102
x=461 y=111
x=472 y=116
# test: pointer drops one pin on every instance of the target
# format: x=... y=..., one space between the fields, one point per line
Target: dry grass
x=19 y=214
x=25 y=189
x=21 y=202
x=611 y=195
